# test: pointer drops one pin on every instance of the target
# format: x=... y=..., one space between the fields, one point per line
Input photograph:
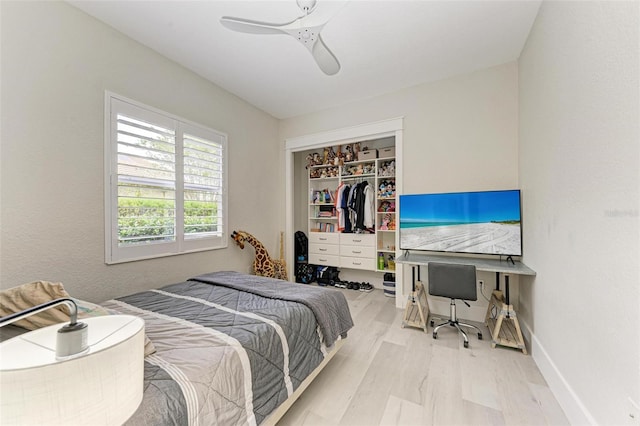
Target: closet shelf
x=345 y=177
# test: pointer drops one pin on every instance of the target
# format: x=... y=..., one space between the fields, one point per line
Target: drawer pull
x=356 y=263
x=322 y=239
x=357 y=241
x=356 y=252
x=322 y=249
x=322 y=260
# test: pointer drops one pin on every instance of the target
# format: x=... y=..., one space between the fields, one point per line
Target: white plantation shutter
x=203 y=178
x=146 y=182
x=166 y=181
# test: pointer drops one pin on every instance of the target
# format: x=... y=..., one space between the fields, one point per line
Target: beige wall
x=57 y=63
x=579 y=162
x=460 y=134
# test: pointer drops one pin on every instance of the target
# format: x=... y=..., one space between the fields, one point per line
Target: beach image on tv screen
x=469 y=222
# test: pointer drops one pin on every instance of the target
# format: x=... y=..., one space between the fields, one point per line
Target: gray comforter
x=329 y=307
x=230 y=347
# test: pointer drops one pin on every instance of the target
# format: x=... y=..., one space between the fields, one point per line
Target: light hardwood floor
x=387 y=375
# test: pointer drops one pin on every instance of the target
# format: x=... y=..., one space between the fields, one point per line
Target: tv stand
x=501 y=318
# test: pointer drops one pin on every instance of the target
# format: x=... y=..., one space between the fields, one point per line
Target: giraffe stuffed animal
x=263 y=264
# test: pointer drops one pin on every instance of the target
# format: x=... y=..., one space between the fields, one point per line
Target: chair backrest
x=452 y=281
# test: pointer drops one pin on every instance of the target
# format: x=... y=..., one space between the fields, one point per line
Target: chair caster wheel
x=479 y=336
x=466 y=344
x=435 y=335
x=432 y=323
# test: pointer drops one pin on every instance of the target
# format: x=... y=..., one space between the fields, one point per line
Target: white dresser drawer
x=323 y=259
x=324 y=237
x=357 y=251
x=368 y=240
x=358 y=263
x=333 y=249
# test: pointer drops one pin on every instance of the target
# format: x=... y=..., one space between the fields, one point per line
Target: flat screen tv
x=486 y=222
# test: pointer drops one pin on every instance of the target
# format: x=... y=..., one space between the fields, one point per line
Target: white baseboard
x=573 y=408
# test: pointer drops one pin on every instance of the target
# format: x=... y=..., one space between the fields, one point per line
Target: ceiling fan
x=306 y=29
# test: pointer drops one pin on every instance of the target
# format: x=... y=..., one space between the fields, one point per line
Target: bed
x=231 y=348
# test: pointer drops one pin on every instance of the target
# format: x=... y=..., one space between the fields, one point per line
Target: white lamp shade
x=100 y=387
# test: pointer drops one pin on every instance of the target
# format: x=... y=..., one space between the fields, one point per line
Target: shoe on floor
x=366 y=287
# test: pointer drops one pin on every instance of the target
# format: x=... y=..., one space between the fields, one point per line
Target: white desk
x=502 y=333
x=492 y=265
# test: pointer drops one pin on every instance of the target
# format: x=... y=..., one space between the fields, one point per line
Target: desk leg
x=506 y=293
x=504 y=326
x=496 y=331
x=417 y=309
x=506 y=288
x=496 y=296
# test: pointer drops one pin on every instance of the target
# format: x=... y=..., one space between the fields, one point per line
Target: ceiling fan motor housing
x=306 y=36
x=306 y=5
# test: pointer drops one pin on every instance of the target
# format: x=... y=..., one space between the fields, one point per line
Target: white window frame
x=114 y=104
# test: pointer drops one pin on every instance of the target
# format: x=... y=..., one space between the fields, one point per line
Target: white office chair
x=455 y=282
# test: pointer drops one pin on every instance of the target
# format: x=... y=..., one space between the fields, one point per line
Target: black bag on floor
x=327 y=275
x=305 y=273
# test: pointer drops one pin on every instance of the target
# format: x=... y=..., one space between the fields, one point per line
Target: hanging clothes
x=341 y=206
x=358 y=202
x=351 y=209
x=362 y=207
x=369 y=208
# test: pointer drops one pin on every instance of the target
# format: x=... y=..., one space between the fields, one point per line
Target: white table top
x=38 y=348
x=481 y=264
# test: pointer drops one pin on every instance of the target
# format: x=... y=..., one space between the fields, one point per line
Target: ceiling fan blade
x=326 y=60
x=251 y=27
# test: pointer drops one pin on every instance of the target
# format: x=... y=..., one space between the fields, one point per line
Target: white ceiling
x=382 y=46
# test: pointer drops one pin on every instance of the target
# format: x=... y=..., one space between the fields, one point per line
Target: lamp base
x=71 y=341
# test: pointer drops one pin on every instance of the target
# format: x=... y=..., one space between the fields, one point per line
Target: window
x=165 y=183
